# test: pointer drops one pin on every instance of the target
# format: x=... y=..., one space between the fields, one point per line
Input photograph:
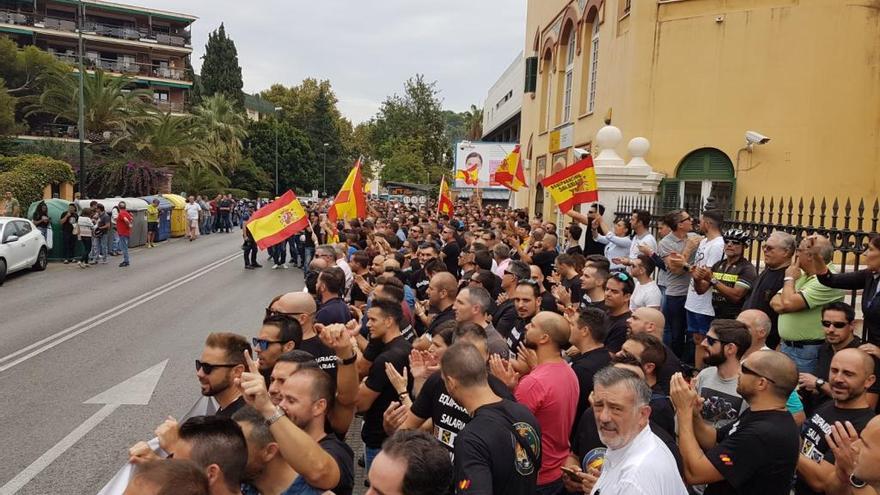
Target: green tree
x=473 y=123
x=7 y=111
x=251 y=178
x=195 y=178
x=167 y=140
x=223 y=128
x=298 y=167
x=455 y=126
x=220 y=70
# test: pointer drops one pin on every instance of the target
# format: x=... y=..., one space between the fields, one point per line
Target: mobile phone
x=570 y=472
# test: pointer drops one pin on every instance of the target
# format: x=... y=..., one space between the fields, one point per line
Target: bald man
x=302 y=308
x=442 y=290
x=550 y=391
x=850 y=376
x=758 y=452
x=651 y=322
x=759 y=328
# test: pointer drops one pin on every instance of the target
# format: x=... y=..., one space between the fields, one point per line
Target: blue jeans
x=806 y=358
x=123 y=243
x=100 y=247
x=676 y=324
x=308 y=254
x=115 y=247
x=370 y=453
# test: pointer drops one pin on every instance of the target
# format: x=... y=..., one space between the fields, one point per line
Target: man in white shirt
x=699 y=309
x=637 y=461
x=646 y=293
x=641 y=222
x=192 y=218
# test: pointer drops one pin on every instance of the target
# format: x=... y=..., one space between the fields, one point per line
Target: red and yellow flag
x=470 y=176
x=510 y=172
x=573 y=185
x=444 y=200
x=278 y=220
x=350 y=202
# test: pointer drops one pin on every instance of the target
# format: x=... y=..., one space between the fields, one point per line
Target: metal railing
x=178 y=38
x=121 y=65
x=847 y=227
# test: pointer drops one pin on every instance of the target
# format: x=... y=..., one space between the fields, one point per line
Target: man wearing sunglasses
x=725 y=344
x=730 y=280
x=221 y=363
x=504 y=317
x=777 y=250
x=837 y=323
x=279 y=334
x=755 y=454
x=301 y=307
x=700 y=311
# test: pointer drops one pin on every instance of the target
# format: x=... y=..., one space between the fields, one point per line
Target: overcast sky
x=367 y=49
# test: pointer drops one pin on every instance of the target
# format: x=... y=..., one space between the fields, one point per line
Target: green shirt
x=152 y=213
x=11 y=206
x=806 y=324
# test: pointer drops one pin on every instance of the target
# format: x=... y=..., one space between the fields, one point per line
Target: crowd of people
x=489 y=353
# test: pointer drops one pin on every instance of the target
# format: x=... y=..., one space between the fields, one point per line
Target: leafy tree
x=455 y=126
x=167 y=140
x=298 y=167
x=7 y=111
x=195 y=178
x=249 y=177
x=473 y=123
x=222 y=128
x=220 y=70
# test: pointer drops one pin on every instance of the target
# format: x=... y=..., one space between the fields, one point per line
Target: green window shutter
x=669 y=194
x=705 y=164
x=531 y=82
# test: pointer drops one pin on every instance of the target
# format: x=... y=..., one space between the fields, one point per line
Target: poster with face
x=476 y=163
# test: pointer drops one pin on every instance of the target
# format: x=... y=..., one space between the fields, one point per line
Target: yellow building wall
x=690 y=74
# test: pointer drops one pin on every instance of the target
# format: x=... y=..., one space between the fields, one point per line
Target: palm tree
x=196 y=178
x=109 y=105
x=473 y=123
x=167 y=140
x=223 y=128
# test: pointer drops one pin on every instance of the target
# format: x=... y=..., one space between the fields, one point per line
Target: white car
x=21 y=246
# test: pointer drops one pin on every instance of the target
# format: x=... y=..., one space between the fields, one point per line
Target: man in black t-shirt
x=546 y=257
x=434 y=402
x=569 y=278
x=301 y=306
x=730 y=279
x=504 y=317
x=451 y=250
x=618 y=290
x=851 y=373
x=377 y=392
x=778 y=250
x=758 y=452
x=411 y=462
x=526 y=300
x=419 y=280
x=499 y=450
x=588 y=333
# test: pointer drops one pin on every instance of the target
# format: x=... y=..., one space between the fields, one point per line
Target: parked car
x=21 y=246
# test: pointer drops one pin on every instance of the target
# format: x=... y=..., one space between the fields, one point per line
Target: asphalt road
x=68 y=334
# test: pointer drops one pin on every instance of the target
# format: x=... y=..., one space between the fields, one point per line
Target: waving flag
x=444 y=201
x=573 y=185
x=350 y=202
x=470 y=176
x=278 y=220
x=510 y=172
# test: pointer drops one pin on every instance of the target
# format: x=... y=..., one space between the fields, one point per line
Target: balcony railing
x=168 y=106
x=53 y=131
x=122 y=66
x=178 y=38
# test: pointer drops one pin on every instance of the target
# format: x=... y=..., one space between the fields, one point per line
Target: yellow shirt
x=152 y=213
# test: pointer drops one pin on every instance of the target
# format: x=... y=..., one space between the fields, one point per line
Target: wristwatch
x=713 y=282
x=820 y=383
x=347 y=361
x=279 y=413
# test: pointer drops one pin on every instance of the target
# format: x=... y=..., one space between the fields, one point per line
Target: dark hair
x=575 y=231
x=626 y=224
x=536 y=289
x=486 y=278
x=232 y=343
x=654 y=352
x=445 y=331
x=473 y=154
x=843 y=307
x=596 y=320
x=483 y=259
x=217 y=440
x=629 y=285
x=435 y=266
x=599 y=207
x=715 y=216
x=565 y=259
x=643 y=217
x=733 y=332
x=392 y=291
x=428 y=467
x=259 y=434
x=361 y=258
x=390 y=309
x=519 y=269
x=471 y=330
x=303 y=359
x=647 y=263
x=599 y=261
x=173 y=476
x=333 y=278
x=323 y=385
x=464 y=362
x=289 y=329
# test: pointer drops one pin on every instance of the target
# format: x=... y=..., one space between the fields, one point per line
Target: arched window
x=702 y=174
x=594 y=66
x=570 y=50
x=547 y=82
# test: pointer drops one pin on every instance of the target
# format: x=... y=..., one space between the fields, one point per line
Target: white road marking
x=72 y=331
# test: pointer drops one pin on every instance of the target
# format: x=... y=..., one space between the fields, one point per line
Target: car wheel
x=2 y=270
x=42 y=260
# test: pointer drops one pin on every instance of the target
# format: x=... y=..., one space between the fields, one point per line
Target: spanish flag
x=350 y=202
x=278 y=220
x=444 y=200
x=573 y=185
x=510 y=172
x=470 y=176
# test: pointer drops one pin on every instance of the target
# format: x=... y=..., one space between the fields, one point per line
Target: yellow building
x=693 y=76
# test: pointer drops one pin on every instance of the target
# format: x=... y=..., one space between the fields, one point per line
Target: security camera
x=753 y=138
x=580 y=153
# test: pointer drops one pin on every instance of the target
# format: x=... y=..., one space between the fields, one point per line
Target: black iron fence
x=848 y=227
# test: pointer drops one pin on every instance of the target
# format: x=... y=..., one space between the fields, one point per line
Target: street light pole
x=277 y=112
x=81 y=120
x=325 y=168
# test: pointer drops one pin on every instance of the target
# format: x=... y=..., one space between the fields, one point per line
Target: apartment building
x=152 y=47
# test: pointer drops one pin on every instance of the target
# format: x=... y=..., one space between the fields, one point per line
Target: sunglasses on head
x=263 y=344
x=274 y=312
x=749 y=371
x=622 y=276
x=208 y=368
x=836 y=324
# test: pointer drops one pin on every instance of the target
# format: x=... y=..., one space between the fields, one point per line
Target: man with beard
x=548 y=301
x=618 y=291
x=419 y=280
x=758 y=452
x=550 y=391
x=852 y=372
x=504 y=318
x=322 y=461
x=278 y=335
x=637 y=460
x=725 y=344
x=526 y=301
x=222 y=362
x=442 y=290
x=470 y=307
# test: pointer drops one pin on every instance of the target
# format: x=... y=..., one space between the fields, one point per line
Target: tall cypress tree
x=220 y=70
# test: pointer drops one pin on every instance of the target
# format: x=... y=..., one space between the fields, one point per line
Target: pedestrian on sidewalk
x=192 y=218
x=124 y=222
x=102 y=235
x=114 y=247
x=250 y=249
x=85 y=227
x=68 y=233
x=152 y=222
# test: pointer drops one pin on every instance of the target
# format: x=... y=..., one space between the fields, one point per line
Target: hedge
x=27 y=175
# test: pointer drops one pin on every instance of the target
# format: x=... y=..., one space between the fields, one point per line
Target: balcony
x=169 y=106
x=179 y=38
x=121 y=65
